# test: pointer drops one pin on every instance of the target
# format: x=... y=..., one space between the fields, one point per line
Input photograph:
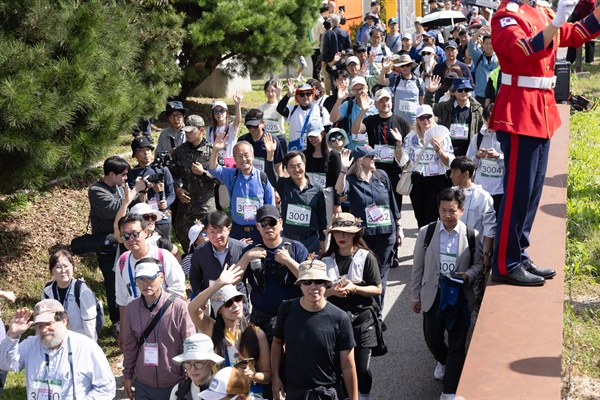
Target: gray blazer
x=426 y=266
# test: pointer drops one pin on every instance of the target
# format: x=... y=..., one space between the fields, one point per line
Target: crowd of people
x=287 y=240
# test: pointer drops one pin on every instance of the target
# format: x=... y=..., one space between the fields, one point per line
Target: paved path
x=406 y=371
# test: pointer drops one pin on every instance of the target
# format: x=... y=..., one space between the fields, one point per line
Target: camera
x=580 y=103
x=155 y=178
x=162 y=159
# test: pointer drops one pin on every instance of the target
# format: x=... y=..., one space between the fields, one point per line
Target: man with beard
x=51 y=357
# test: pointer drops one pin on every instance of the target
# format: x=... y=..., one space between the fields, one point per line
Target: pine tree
x=75 y=74
x=255 y=36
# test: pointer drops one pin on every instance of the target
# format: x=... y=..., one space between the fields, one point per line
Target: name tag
x=259 y=163
x=489 y=168
x=246 y=207
x=317 y=177
x=459 y=131
x=298 y=215
x=151 y=354
x=360 y=138
x=434 y=169
x=447 y=263
x=378 y=216
x=386 y=153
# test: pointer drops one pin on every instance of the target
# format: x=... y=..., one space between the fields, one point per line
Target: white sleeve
x=103 y=380
x=10 y=355
x=87 y=300
x=489 y=216
x=121 y=278
x=472 y=150
x=174 y=276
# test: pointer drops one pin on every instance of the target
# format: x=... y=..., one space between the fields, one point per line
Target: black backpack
x=100 y=320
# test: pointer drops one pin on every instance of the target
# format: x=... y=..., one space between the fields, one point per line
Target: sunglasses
x=336 y=138
x=463 y=90
x=426 y=53
x=315 y=281
x=195 y=365
x=345 y=223
x=360 y=51
x=424 y=117
x=127 y=236
x=251 y=127
x=232 y=300
x=219 y=111
x=304 y=94
x=149 y=217
x=268 y=222
x=406 y=66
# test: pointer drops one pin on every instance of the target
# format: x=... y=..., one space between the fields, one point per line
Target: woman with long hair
x=219 y=123
x=354 y=270
x=235 y=338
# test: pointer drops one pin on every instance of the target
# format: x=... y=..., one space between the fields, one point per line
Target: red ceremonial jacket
x=519 y=44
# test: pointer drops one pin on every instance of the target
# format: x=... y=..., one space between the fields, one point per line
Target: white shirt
x=479 y=211
x=491 y=182
x=448 y=240
x=273 y=120
x=296 y=122
x=94 y=379
x=173 y=283
x=430 y=163
x=231 y=138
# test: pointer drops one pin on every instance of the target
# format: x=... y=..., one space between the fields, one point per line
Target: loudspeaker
x=562 y=71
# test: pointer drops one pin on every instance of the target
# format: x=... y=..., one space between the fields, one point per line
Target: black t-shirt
x=371 y=276
x=378 y=132
x=313 y=342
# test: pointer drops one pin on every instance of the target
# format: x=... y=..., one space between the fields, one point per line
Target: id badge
x=249 y=213
x=153 y=204
x=374 y=212
x=151 y=354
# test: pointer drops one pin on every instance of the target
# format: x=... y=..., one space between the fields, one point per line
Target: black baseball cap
x=140 y=143
x=267 y=210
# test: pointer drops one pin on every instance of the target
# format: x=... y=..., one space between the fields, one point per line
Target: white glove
x=563 y=11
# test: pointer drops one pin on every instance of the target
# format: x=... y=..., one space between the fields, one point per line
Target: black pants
x=107 y=263
x=423 y=197
x=3 y=375
x=451 y=355
x=316 y=61
x=362 y=359
x=497 y=200
x=589 y=53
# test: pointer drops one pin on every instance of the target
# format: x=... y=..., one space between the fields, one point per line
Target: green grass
x=581 y=353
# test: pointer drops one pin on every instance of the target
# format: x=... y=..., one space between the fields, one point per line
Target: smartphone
x=454 y=277
x=243 y=362
x=342 y=8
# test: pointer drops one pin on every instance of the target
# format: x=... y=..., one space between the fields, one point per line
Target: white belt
x=530 y=82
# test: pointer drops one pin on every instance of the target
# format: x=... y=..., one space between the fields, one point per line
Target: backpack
x=100 y=319
x=470 y=238
x=344 y=122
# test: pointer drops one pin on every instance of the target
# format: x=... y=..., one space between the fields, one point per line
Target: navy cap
x=451 y=43
x=462 y=83
x=363 y=151
x=139 y=143
x=173 y=106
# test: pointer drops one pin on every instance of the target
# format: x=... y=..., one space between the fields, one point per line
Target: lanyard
x=395 y=41
x=63 y=301
x=157 y=324
x=457 y=114
x=70 y=358
x=306 y=120
x=131 y=280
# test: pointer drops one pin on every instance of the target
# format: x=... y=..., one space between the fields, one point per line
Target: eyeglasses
x=463 y=90
x=424 y=117
x=336 y=138
x=197 y=365
x=176 y=115
x=268 y=222
x=60 y=267
x=426 y=53
x=344 y=223
x=250 y=127
x=127 y=236
x=235 y=299
x=149 y=217
x=304 y=94
x=315 y=281
x=219 y=111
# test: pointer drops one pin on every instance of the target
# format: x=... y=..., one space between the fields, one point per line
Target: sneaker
x=439 y=372
x=447 y=396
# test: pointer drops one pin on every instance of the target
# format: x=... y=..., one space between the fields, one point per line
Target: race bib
x=459 y=131
x=385 y=153
x=151 y=354
x=46 y=389
x=298 y=215
x=246 y=207
x=407 y=106
x=360 y=138
x=378 y=216
x=490 y=168
x=259 y=163
x=447 y=263
x=317 y=177
x=428 y=156
x=271 y=126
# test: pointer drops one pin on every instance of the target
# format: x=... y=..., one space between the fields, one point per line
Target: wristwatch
x=488 y=253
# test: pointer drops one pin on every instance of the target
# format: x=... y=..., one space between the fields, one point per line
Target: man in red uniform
x=526 y=36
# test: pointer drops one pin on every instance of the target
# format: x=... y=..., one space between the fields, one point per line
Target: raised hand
x=396 y=134
x=291 y=87
x=278 y=88
x=231 y=275
x=237 y=97
x=19 y=323
x=371 y=57
x=386 y=64
x=220 y=141
x=434 y=83
x=346 y=160
x=270 y=143
x=337 y=57
x=363 y=101
x=342 y=91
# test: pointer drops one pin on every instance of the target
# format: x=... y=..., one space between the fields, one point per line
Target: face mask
x=428 y=57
